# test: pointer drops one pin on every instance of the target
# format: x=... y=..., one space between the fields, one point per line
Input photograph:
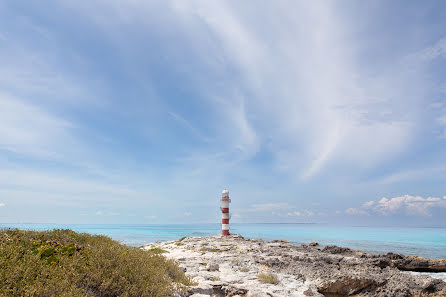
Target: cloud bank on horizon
x=141 y=112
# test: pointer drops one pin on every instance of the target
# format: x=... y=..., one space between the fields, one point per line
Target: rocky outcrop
x=347 y=286
x=419 y=264
x=234 y=266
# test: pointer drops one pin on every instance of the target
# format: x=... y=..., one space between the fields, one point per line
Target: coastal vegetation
x=66 y=263
x=269 y=278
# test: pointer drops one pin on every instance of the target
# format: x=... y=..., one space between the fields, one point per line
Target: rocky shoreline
x=234 y=266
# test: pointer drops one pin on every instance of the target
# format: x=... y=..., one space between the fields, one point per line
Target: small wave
x=436 y=275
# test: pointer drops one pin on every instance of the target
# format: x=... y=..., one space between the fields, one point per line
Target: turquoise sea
x=425 y=242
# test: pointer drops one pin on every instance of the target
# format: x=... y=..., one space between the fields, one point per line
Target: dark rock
x=432 y=286
x=332 y=249
x=281 y=241
x=274 y=263
x=414 y=263
x=203 y=289
x=393 y=256
x=381 y=262
x=212 y=267
x=233 y=291
x=347 y=286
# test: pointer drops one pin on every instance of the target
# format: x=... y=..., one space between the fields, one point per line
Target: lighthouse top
x=225 y=196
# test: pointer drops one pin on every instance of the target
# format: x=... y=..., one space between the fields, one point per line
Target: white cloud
x=304 y=213
x=368 y=204
x=2 y=204
x=187 y=214
x=411 y=205
x=355 y=211
x=106 y=213
x=407 y=204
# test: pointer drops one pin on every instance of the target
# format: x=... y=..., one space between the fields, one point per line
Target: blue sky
x=143 y=111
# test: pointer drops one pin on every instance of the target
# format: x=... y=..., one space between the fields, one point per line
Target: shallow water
x=425 y=242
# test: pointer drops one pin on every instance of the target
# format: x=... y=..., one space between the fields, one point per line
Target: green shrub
x=269 y=278
x=66 y=263
x=157 y=250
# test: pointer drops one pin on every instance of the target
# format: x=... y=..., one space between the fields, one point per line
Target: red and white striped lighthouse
x=225 y=212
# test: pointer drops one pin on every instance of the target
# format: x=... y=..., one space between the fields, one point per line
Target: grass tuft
x=213 y=250
x=269 y=278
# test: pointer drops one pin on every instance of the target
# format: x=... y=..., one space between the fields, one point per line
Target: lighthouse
x=225 y=212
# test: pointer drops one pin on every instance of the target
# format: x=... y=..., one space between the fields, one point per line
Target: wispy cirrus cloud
x=194 y=95
x=29 y=129
x=437 y=50
x=285 y=70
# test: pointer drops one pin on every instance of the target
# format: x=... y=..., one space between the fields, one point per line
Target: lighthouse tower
x=225 y=212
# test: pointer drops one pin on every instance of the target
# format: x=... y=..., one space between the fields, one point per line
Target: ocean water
x=425 y=242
